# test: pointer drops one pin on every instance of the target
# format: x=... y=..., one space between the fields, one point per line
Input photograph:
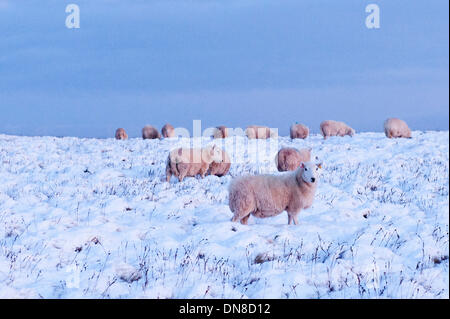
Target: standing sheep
x=259 y=132
x=394 y=128
x=269 y=195
x=289 y=159
x=168 y=131
x=183 y=162
x=299 y=131
x=334 y=128
x=149 y=132
x=221 y=132
x=222 y=168
x=121 y=134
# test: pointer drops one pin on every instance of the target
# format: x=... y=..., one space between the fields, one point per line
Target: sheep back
x=396 y=128
x=299 y=131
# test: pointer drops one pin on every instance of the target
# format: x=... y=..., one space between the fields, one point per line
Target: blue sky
x=234 y=62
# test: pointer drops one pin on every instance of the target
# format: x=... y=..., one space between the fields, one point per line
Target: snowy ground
x=94 y=218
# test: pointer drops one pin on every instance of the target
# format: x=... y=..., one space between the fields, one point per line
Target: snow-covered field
x=93 y=218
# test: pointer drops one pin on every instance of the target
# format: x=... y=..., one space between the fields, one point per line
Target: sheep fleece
x=299 y=131
x=289 y=159
x=269 y=195
x=222 y=168
x=168 y=131
x=183 y=162
x=395 y=128
x=149 y=132
x=259 y=132
x=334 y=128
x=121 y=134
x=221 y=132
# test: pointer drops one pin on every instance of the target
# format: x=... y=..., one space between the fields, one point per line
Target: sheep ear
x=302 y=165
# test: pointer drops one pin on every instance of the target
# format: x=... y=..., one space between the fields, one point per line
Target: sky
x=227 y=62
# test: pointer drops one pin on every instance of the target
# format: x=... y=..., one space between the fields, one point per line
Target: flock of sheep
x=261 y=195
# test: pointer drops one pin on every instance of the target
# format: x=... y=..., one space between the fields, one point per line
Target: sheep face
x=351 y=132
x=121 y=134
x=309 y=172
x=215 y=153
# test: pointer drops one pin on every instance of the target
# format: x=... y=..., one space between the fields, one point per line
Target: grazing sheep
x=121 y=134
x=289 y=159
x=168 y=131
x=221 y=132
x=259 y=132
x=183 y=162
x=149 y=132
x=334 y=128
x=394 y=128
x=222 y=168
x=299 y=131
x=269 y=195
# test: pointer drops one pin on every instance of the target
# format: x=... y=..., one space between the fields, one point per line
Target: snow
x=94 y=218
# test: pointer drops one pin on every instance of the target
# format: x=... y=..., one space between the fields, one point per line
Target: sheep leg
x=168 y=175
x=241 y=216
x=241 y=204
x=182 y=171
x=168 y=172
x=203 y=171
x=244 y=221
x=181 y=176
x=292 y=218
x=174 y=168
x=235 y=218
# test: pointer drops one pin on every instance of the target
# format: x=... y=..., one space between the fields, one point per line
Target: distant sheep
x=149 y=132
x=269 y=195
x=259 y=132
x=395 y=128
x=168 y=131
x=183 y=162
x=121 y=134
x=222 y=168
x=299 y=131
x=334 y=128
x=221 y=132
x=289 y=159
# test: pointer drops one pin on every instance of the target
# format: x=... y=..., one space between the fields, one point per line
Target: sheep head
x=308 y=172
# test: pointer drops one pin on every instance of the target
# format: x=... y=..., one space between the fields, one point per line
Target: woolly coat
x=269 y=195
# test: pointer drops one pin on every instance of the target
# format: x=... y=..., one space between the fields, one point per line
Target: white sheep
x=150 y=132
x=299 y=131
x=260 y=132
x=289 y=158
x=167 y=131
x=394 y=128
x=334 y=128
x=183 y=162
x=221 y=132
x=222 y=168
x=121 y=134
x=269 y=195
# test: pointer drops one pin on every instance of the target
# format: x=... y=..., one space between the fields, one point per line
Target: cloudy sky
x=230 y=62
